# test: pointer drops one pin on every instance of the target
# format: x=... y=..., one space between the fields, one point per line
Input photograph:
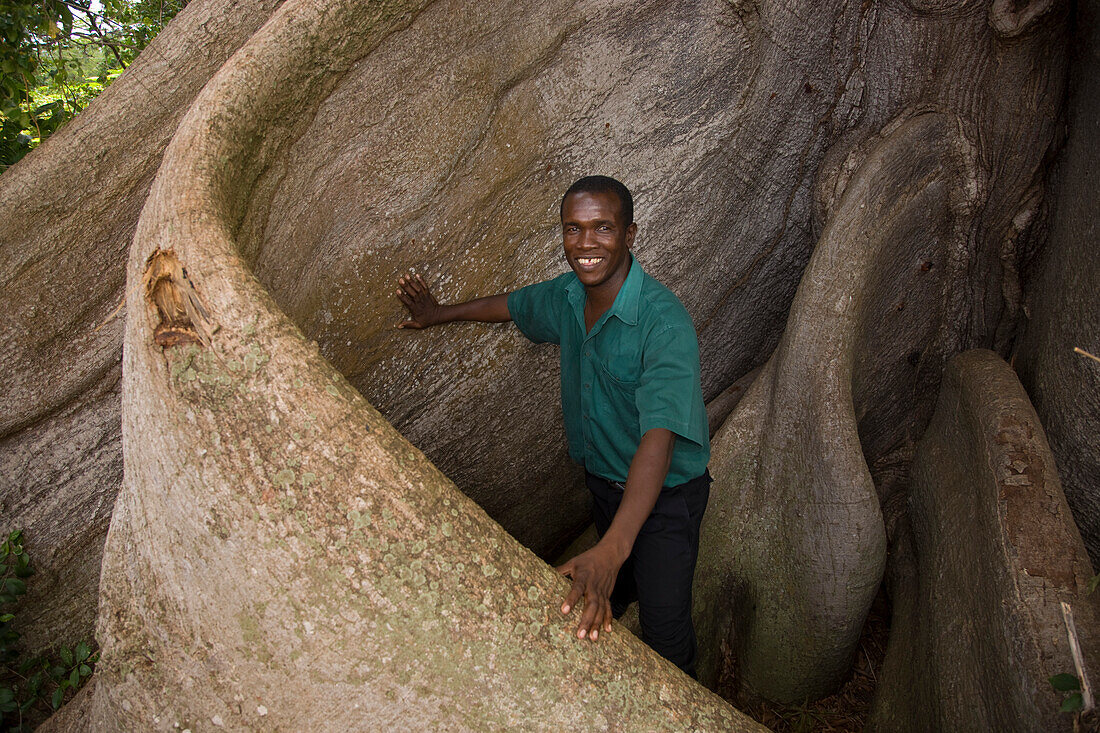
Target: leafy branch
x=32 y=688
x=56 y=55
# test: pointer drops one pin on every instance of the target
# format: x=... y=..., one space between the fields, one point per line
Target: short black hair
x=604 y=184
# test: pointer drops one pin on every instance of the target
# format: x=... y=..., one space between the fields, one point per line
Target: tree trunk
x=979 y=628
x=793 y=487
x=904 y=145
x=67 y=216
x=1064 y=302
x=277 y=545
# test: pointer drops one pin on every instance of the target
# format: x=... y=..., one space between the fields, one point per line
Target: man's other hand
x=413 y=292
x=593 y=573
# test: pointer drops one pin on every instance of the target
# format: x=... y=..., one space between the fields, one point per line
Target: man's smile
x=589 y=261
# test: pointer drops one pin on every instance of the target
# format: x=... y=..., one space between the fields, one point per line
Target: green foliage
x=31 y=688
x=1070 y=686
x=57 y=55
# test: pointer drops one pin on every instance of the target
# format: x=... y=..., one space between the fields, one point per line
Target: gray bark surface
x=1064 y=301
x=903 y=145
x=67 y=216
x=280 y=556
x=978 y=628
x=793 y=491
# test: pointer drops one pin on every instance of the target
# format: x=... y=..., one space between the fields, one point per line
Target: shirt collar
x=627 y=300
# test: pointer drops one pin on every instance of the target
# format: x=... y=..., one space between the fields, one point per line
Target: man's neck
x=600 y=298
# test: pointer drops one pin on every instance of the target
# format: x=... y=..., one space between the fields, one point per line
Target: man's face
x=597 y=242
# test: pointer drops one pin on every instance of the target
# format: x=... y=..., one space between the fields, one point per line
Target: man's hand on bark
x=419 y=301
x=593 y=573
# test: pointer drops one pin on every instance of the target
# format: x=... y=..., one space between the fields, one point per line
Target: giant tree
x=274 y=526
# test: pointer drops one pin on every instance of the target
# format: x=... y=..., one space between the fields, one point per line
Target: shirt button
x=587 y=385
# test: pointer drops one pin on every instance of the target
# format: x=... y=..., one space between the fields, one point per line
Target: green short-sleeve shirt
x=638 y=369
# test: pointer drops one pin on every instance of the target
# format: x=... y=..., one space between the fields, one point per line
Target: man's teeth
x=589 y=260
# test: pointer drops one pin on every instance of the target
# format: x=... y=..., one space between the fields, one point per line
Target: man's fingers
x=602 y=618
x=417 y=285
x=589 y=624
x=572 y=597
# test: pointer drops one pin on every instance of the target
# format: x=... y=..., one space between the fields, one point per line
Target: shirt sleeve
x=536 y=311
x=669 y=394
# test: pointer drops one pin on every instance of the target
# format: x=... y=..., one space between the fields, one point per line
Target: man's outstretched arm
x=425 y=311
x=594 y=572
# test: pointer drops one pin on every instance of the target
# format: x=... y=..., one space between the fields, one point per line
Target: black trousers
x=659 y=572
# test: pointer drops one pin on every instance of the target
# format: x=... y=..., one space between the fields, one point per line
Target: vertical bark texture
x=903 y=144
x=67 y=216
x=280 y=556
x=792 y=486
x=978 y=628
x=447 y=149
x=1064 y=301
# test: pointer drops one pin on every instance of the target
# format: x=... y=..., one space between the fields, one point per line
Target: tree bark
x=978 y=627
x=278 y=545
x=330 y=158
x=67 y=216
x=1064 y=302
x=793 y=487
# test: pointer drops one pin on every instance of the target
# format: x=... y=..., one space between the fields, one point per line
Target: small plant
x=1070 y=687
x=31 y=689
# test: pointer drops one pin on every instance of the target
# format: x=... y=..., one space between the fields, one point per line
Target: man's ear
x=630 y=232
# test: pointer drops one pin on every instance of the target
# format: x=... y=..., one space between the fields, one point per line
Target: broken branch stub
x=183 y=319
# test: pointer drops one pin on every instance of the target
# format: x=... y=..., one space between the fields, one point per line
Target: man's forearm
x=492 y=309
x=648 y=470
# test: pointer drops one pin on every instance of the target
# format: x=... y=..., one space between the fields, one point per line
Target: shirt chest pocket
x=619 y=359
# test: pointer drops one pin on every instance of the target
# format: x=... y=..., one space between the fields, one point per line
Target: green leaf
x=6 y=694
x=1072 y=704
x=1065 y=682
x=5 y=617
x=74 y=678
x=28 y=664
x=15 y=586
x=55 y=700
x=67 y=658
x=85 y=670
x=82 y=651
x=1093 y=582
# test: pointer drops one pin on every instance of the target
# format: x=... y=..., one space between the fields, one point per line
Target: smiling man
x=633 y=410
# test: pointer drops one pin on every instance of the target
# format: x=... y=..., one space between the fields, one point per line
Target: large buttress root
x=67 y=217
x=988 y=555
x=279 y=554
x=793 y=497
